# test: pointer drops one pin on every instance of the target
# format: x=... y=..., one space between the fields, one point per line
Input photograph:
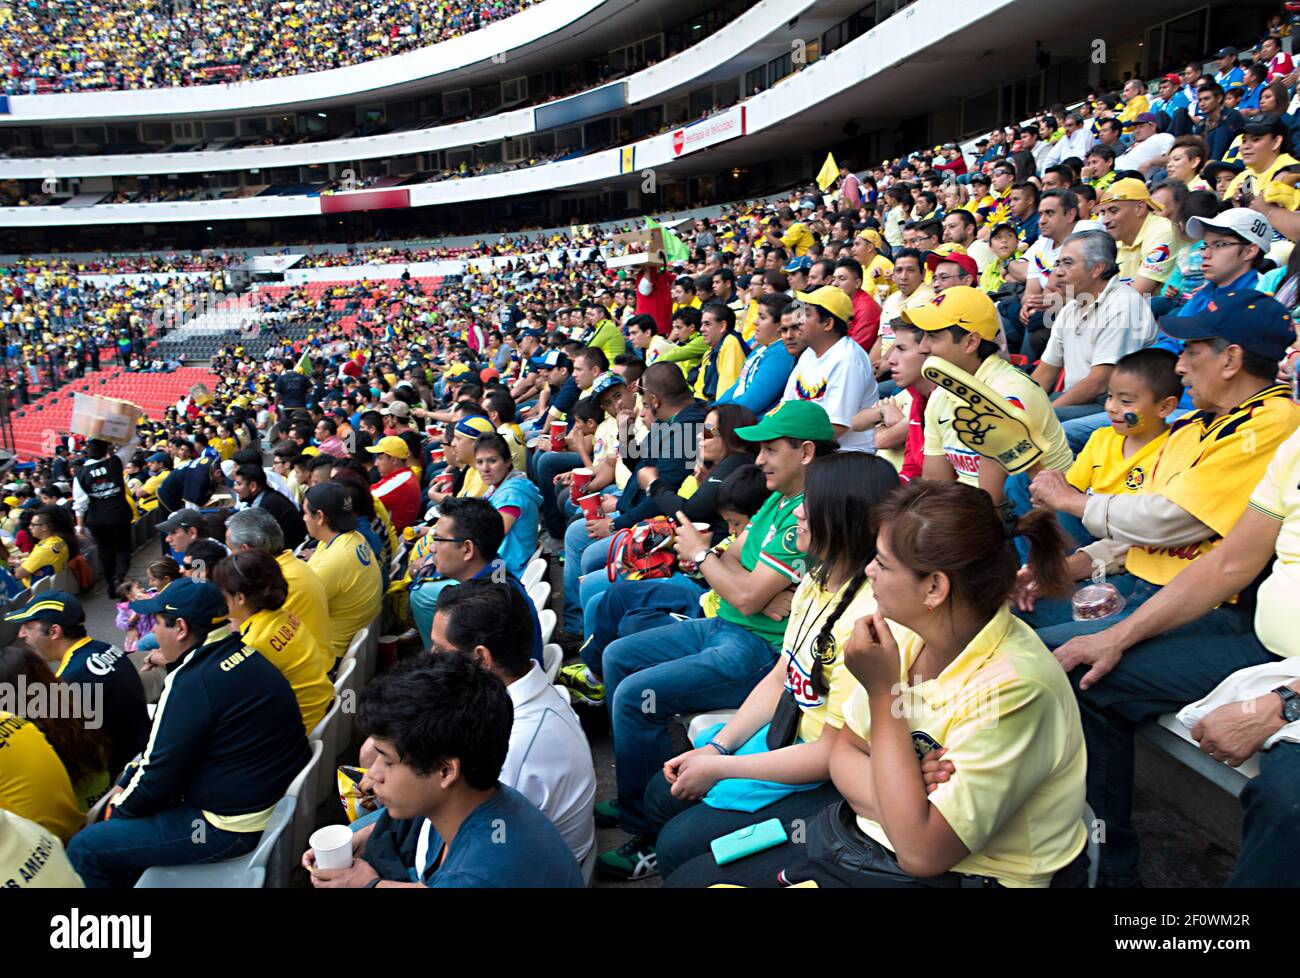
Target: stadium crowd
x=939 y=478
x=83 y=46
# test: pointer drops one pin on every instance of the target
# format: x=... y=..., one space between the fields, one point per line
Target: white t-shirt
x=842 y=382
x=1153 y=146
x=1043 y=252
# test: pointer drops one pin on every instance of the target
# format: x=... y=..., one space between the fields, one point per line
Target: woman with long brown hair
x=955 y=683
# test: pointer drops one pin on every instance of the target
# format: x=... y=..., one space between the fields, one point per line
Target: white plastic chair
x=43 y=585
x=356 y=647
x=702 y=721
x=533 y=573
x=245 y=872
x=303 y=789
x=540 y=593
x=552 y=659
x=546 y=618
x=327 y=732
x=345 y=694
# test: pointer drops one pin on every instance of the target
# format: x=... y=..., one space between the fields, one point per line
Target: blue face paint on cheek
x=1132 y=419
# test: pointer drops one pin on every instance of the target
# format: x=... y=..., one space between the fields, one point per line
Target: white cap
x=1248 y=224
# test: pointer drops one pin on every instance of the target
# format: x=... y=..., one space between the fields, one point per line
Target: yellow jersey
x=1278 y=497
x=1005 y=711
x=287 y=644
x=1152 y=253
x=353 y=583
x=1102 y=468
x=307 y=603
x=33 y=781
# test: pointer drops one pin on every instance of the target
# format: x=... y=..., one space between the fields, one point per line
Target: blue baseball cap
x=158 y=457
x=55 y=607
x=198 y=602
x=1256 y=322
x=799 y=264
x=604 y=382
x=551 y=359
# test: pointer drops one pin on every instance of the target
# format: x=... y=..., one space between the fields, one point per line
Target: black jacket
x=286 y=514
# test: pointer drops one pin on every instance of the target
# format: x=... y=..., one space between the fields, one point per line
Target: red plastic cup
x=387 y=652
x=590 y=504
x=442 y=483
x=558 y=430
x=437 y=455
x=581 y=477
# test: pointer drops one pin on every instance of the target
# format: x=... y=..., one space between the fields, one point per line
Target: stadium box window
x=213 y=130
x=60 y=136
x=778 y=68
x=1185 y=38
x=756 y=80
x=514 y=90
x=256 y=126
x=1240 y=23
x=701 y=102
x=455 y=103
x=979 y=113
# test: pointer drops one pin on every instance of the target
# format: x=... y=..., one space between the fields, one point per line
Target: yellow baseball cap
x=872 y=235
x=832 y=299
x=1129 y=188
x=961 y=305
x=390 y=445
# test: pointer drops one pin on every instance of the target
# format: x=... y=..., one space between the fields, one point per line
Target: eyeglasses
x=448 y=539
x=1220 y=245
x=709 y=431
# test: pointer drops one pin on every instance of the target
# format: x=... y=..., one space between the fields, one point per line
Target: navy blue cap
x=550 y=359
x=158 y=457
x=604 y=382
x=55 y=607
x=1256 y=322
x=198 y=602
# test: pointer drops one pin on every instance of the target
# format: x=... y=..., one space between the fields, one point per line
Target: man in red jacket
x=397 y=488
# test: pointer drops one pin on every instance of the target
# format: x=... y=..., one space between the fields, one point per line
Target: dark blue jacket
x=227 y=737
x=126 y=718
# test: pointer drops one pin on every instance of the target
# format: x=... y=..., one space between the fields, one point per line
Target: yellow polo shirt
x=1006 y=713
x=1152 y=253
x=1020 y=393
x=286 y=643
x=1278 y=497
x=33 y=781
x=877 y=277
x=892 y=308
x=353 y=583
x=307 y=602
x=1101 y=466
x=1210 y=467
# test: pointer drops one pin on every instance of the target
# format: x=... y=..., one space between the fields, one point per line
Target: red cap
x=1172 y=78
x=965 y=262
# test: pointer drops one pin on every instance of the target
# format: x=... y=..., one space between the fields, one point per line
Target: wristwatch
x=699 y=557
x=1290 y=703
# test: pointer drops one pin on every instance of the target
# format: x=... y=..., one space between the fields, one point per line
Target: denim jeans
x=1270 y=844
x=1068 y=412
x=1016 y=490
x=544 y=471
x=687 y=827
x=581 y=556
x=1079 y=430
x=686 y=667
x=1160 y=675
x=593 y=586
x=115 y=853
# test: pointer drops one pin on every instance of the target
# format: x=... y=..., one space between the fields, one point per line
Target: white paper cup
x=332 y=846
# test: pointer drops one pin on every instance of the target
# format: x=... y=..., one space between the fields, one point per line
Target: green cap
x=792 y=419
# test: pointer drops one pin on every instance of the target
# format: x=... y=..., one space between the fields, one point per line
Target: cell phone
x=747 y=841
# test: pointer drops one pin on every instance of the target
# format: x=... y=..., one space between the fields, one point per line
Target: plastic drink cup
x=332 y=846
x=581 y=477
x=590 y=504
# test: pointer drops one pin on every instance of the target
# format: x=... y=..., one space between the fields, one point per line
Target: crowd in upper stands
x=84 y=46
x=941 y=479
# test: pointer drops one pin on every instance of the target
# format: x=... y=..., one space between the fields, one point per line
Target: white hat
x=1248 y=224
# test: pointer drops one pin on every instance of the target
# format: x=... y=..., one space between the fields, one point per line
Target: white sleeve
x=80 y=501
x=847 y=390
x=1054 y=353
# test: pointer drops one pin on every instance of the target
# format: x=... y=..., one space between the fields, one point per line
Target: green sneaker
x=634 y=860
x=607 y=814
x=583 y=686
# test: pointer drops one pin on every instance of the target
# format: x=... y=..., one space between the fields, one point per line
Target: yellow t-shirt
x=286 y=643
x=514 y=437
x=1278 y=497
x=225 y=447
x=1261 y=178
x=1006 y=713
x=1021 y=393
x=473 y=486
x=810 y=609
x=877 y=278
x=1210 y=467
x=51 y=552
x=32 y=858
x=749 y=321
x=307 y=603
x=149 y=501
x=353 y=584
x=1102 y=468
x=33 y=781
x=798 y=239
x=1152 y=253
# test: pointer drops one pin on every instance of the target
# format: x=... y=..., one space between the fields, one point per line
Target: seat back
x=346 y=689
x=533 y=573
x=546 y=618
x=356 y=646
x=540 y=593
x=552 y=659
x=273 y=837
x=303 y=791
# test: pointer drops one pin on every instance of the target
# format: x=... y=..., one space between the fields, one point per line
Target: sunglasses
x=709 y=431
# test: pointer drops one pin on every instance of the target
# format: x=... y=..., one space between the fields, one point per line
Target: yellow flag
x=829 y=172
